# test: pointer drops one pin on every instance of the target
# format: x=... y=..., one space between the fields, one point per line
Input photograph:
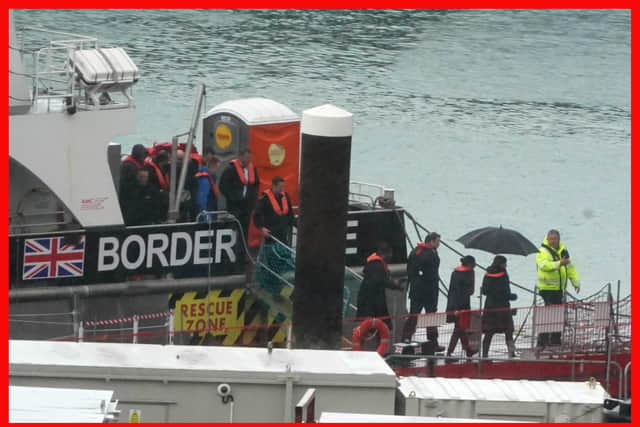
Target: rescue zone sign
x=216 y=313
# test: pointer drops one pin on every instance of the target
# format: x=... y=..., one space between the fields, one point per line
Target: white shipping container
x=517 y=400
x=60 y=405
x=180 y=383
x=342 y=417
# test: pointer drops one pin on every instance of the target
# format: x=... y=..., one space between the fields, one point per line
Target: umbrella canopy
x=498 y=240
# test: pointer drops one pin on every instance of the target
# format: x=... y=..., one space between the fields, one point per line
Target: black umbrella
x=498 y=240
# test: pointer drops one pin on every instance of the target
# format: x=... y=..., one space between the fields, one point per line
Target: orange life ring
x=371 y=323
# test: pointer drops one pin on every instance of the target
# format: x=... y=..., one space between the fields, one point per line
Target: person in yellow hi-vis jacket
x=554 y=269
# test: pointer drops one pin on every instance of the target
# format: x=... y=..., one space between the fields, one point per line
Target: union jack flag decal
x=53 y=257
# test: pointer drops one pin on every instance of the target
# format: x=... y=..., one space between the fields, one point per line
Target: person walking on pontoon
x=422 y=271
x=461 y=287
x=497 y=316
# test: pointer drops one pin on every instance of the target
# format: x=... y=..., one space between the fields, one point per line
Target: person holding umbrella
x=554 y=269
x=496 y=317
x=461 y=287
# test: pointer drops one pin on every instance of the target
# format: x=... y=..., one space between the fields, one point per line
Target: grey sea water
x=474 y=117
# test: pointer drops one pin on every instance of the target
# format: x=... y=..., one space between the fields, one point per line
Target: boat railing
x=21 y=221
x=368 y=194
x=48 y=62
x=594 y=340
x=579 y=350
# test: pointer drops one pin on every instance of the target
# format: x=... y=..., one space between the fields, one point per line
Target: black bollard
x=325 y=156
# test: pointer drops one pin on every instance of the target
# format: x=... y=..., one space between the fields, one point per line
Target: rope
x=121 y=320
x=526 y=317
x=183 y=331
x=63 y=338
x=458 y=252
x=404 y=230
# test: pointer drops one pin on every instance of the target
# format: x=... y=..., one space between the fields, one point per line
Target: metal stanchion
x=135 y=328
x=171 y=327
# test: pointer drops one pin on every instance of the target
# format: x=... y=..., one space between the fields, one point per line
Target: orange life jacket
x=212 y=183
x=462 y=268
x=162 y=179
x=422 y=246
x=375 y=257
x=130 y=159
x=495 y=274
x=274 y=203
x=240 y=172
x=197 y=157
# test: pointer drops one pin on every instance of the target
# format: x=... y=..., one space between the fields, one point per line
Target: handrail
x=51 y=61
x=625 y=381
x=360 y=191
x=293 y=253
x=351 y=193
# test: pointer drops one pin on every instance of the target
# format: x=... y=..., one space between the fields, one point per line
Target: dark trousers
x=415 y=308
x=508 y=337
x=458 y=334
x=242 y=213
x=550 y=338
x=240 y=209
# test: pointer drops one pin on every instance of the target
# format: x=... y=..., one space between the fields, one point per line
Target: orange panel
x=276 y=152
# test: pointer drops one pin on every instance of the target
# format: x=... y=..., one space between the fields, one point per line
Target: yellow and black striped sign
x=235 y=317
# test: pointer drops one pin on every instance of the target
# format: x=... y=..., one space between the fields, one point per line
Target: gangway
x=273 y=280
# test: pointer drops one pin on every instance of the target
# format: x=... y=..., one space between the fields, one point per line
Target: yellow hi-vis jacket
x=551 y=275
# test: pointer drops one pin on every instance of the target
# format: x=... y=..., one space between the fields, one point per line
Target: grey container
x=516 y=400
x=180 y=383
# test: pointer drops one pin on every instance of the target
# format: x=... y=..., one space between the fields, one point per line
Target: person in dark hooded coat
x=372 y=299
x=274 y=212
x=461 y=287
x=239 y=184
x=422 y=271
x=144 y=206
x=128 y=169
x=497 y=317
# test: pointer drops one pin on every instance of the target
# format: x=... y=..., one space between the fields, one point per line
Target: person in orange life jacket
x=239 y=184
x=208 y=193
x=274 y=217
x=128 y=169
x=159 y=178
x=274 y=213
x=207 y=153
x=497 y=316
x=372 y=300
x=158 y=170
x=422 y=271
x=461 y=287
x=143 y=206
